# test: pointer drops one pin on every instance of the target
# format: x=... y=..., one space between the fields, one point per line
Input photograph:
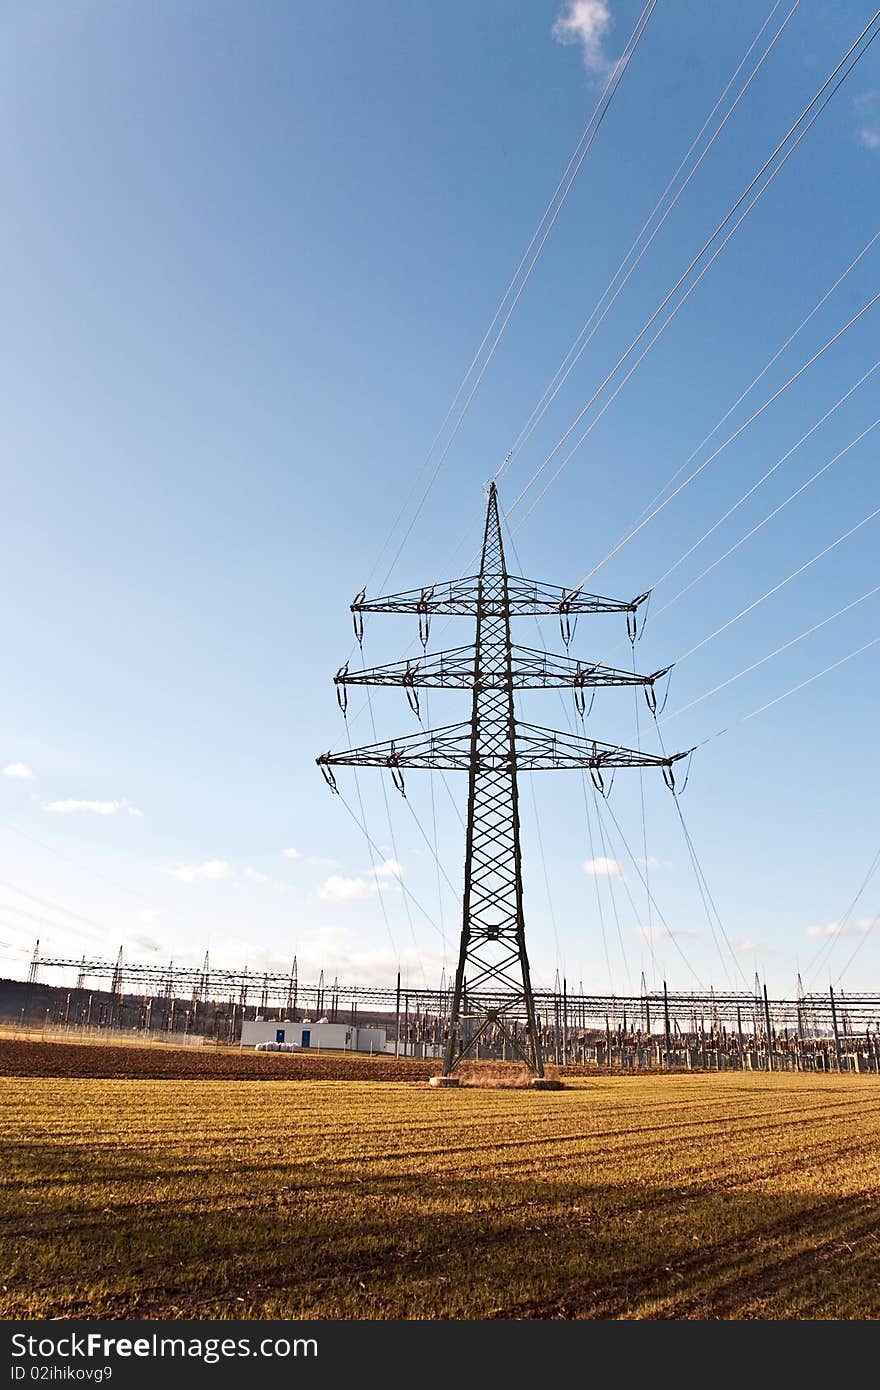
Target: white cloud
x=255 y=876
x=586 y=22
x=315 y=860
x=19 y=770
x=665 y=934
x=867 y=104
x=841 y=928
x=193 y=873
x=337 y=950
x=95 y=808
x=596 y=867
x=652 y=863
x=390 y=869
x=340 y=888
x=149 y=915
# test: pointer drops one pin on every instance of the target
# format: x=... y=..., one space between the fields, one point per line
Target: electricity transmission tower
x=492 y=995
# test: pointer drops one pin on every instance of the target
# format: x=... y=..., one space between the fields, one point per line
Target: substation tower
x=492 y=994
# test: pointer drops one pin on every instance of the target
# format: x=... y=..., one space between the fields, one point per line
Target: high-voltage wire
x=753 y=666
x=598 y=314
x=855 y=53
x=531 y=255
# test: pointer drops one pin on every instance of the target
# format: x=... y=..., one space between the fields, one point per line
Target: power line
x=55 y=907
x=370 y=847
x=771 y=361
x=753 y=666
x=607 y=858
x=546 y=876
x=809 y=681
x=866 y=38
x=777 y=587
x=828 y=945
x=669 y=932
x=771 y=400
x=870 y=927
x=774 y=512
x=571 y=173
x=817 y=675
x=403 y=887
x=702 y=883
x=440 y=869
x=593 y=323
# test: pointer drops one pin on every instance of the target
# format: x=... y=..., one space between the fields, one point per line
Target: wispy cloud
x=335 y=949
x=746 y=946
x=666 y=934
x=652 y=863
x=316 y=860
x=195 y=873
x=841 y=928
x=73 y=807
x=255 y=876
x=586 y=23
x=867 y=105
x=342 y=888
x=19 y=770
x=597 y=867
x=391 y=868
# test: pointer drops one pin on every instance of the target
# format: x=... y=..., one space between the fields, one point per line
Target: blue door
x=279 y=1035
x=306 y=1037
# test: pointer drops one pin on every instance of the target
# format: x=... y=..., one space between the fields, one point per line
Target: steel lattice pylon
x=492 y=995
x=493 y=940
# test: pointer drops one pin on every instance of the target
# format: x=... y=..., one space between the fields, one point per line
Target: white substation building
x=317 y=1035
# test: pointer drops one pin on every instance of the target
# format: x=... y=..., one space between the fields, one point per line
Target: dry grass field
x=676 y=1197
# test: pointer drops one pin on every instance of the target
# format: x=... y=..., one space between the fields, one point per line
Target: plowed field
x=671 y=1197
x=199 y=1064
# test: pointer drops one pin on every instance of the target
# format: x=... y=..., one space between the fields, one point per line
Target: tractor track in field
x=619 y=1297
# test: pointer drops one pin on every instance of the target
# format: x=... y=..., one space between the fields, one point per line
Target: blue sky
x=247 y=253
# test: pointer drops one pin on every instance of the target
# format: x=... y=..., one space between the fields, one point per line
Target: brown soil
x=23 y=1058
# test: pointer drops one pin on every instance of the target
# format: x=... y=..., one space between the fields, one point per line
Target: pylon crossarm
x=526 y=597
x=531 y=669
x=532 y=598
x=452 y=596
x=537 y=749
x=446 y=748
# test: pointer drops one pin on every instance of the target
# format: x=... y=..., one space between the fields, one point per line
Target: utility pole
x=769 y=1031
x=837 y=1052
x=116 y=982
x=494 y=747
x=292 y=992
x=666 y=1023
